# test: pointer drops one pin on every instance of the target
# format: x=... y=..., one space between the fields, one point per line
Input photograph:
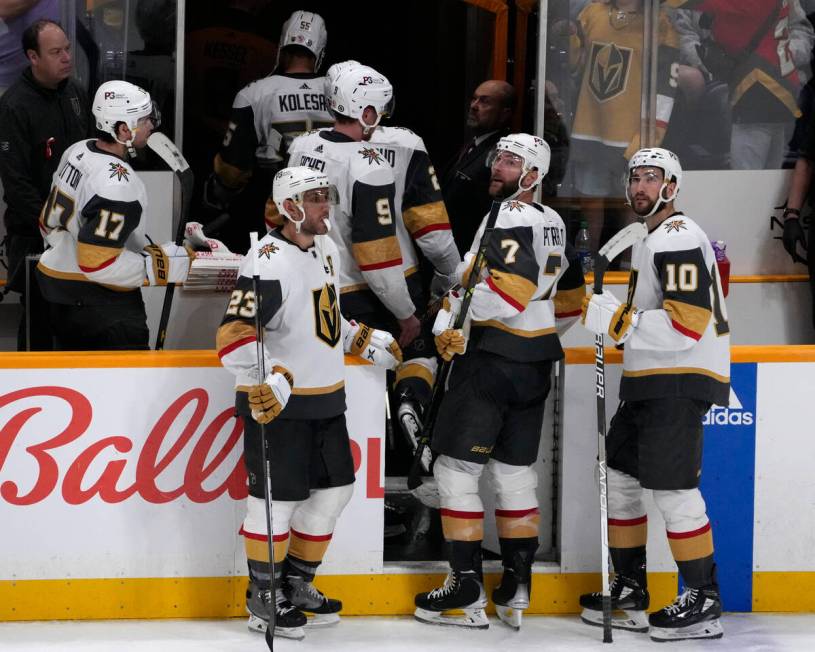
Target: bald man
x=466 y=178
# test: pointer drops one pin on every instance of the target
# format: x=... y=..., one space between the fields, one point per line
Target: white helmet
x=357 y=87
x=666 y=161
x=120 y=101
x=334 y=71
x=292 y=183
x=306 y=29
x=533 y=150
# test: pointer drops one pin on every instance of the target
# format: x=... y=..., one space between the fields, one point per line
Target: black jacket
x=465 y=186
x=37 y=125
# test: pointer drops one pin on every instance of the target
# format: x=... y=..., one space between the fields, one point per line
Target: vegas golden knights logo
x=609 y=66
x=327 y=322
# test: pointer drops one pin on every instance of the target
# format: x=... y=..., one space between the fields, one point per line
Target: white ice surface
x=743 y=632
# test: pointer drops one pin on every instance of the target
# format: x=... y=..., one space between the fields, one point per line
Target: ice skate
x=289 y=620
x=694 y=613
x=459 y=603
x=511 y=598
x=628 y=604
x=318 y=609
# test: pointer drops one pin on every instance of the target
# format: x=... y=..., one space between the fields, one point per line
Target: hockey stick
x=168 y=152
x=415 y=474
x=621 y=241
x=264 y=444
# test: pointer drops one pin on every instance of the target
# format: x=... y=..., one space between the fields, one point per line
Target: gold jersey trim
x=494 y=323
x=674 y=371
x=314 y=391
x=78 y=276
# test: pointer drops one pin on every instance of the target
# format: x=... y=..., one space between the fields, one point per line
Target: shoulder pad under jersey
x=369 y=166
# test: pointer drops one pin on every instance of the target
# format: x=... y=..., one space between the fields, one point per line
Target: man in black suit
x=466 y=178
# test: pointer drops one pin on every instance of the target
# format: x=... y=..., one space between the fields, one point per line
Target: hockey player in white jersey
x=422 y=221
x=529 y=291
x=372 y=282
x=676 y=363
x=301 y=401
x=266 y=115
x=98 y=255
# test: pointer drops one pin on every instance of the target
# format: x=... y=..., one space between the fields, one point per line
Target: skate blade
x=705 y=629
x=633 y=621
x=294 y=633
x=256 y=624
x=511 y=616
x=321 y=620
x=468 y=618
x=259 y=625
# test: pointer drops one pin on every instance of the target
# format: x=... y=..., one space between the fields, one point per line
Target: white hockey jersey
x=419 y=202
x=266 y=116
x=303 y=327
x=531 y=287
x=363 y=224
x=93 y=228
x=681 y=345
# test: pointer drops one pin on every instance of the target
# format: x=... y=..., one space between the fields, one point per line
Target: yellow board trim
x=362 y=595
x=121 y=359
x=784 y=591
x=223 y=597
x=743 y=353
x=621 y=278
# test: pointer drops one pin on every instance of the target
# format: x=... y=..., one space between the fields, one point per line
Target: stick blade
x=166 y=149
x=623 y=239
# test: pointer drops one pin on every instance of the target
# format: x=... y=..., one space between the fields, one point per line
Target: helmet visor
x=504 y=158
x=389 y=108
x=327 y=194
x=154 y=116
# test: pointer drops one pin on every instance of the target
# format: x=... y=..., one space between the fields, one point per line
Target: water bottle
x=582 y=245
x=722 y=263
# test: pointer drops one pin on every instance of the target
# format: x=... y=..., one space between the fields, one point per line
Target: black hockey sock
x=259 y=574
x=515 y=552
x=296 y=566
x=465 y=556
x=630 y=562
x=698 y=573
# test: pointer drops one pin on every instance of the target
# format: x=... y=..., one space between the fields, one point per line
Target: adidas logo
x=732 y=415
x=319 y=149
x=306 y=86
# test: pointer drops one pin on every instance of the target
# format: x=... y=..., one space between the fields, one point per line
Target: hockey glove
x=378 y=347
x=793 y=234
x=451 y=342
x=167 y=263
x=268 y=399
x=196 y=239
x=603 y=314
